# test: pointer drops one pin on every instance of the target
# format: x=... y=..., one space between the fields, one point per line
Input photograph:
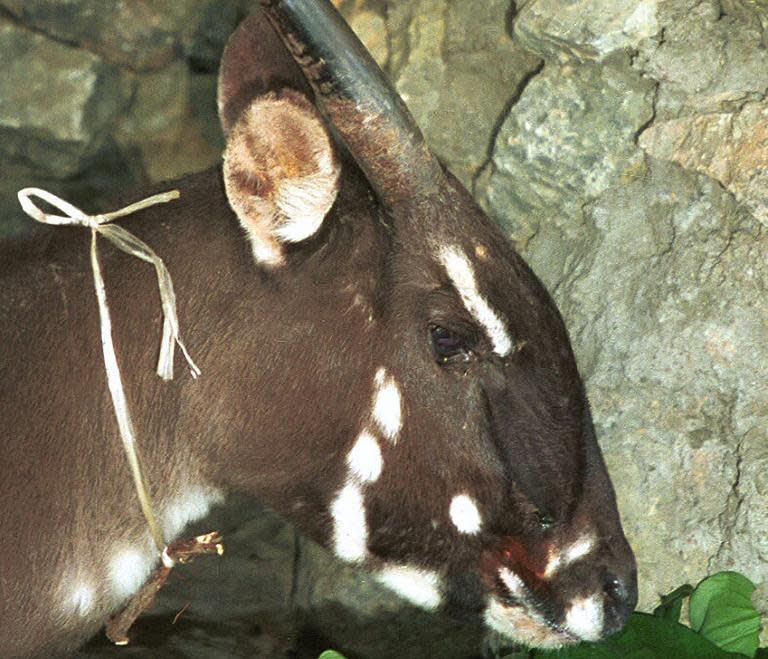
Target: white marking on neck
x=82 y=599
x=462 y=275
x=350 y=530
x=364 y=460
x=387 y=409
x=417 y=585
x=585 y=618
x=571 y=554
x=128 y=571
x=192 y=504
x=465 y=515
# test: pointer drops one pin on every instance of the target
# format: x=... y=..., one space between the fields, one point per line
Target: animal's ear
x=254 y=62
x=281 y=172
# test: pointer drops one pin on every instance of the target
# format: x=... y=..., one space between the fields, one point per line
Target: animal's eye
x=448 y=345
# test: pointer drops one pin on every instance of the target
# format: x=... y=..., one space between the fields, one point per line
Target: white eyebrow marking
x=364 y=460
x=350 y=531
x=465 y=515
x=585 y=618
x=387 y=410
x=462 y=275
x=571 y=554
x=420 y=587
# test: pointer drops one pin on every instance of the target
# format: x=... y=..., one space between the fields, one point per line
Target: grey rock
x=712 y=57
x=587 y=29
x=142 y=36
x=569 y=138
x=58 y=137
x=731 y=147
x=460 y=72
x=667 y=314
x=166 y=132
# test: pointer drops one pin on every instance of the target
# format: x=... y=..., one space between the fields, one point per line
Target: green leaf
x=722 y=611
x=645 y=637
x=331 y=654
x=672 y=604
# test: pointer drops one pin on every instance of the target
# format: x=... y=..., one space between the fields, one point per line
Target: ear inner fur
x=280 y=172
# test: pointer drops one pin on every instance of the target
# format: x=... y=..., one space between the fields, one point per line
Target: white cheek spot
x=571 y=554
x=462 y=275
x=585 y=618
x=82 y=599
x=364 y=460
x=387 y=410
x=419 y=586
x=465 y=515
x=192 y=505
x=350 y=531
x=513 y=582
x=128 y=571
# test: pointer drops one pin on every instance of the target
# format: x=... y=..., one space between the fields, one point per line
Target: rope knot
x=130 y=244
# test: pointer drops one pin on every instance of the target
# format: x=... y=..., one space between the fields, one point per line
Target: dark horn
x=357 y=98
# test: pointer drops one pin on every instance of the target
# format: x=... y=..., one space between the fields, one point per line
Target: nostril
x=614 y=589
x=620 y=600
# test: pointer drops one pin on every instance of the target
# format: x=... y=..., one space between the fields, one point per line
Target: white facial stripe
x=129 y=570
x=387 y=410
x=420 y=587
x=82 y=599
x=364 y=460
x=571 y=554
x=462 y=275
x=350 y=531
x=585 y=618
x=513 y=583
x=465 y=515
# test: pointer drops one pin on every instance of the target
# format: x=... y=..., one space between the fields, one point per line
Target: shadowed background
x=623 y=145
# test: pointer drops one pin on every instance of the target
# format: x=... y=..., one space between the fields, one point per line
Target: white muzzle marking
x=585 y=618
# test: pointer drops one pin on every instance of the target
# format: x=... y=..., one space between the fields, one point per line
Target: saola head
x=472 y=480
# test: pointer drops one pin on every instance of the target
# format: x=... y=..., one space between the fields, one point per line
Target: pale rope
x=130 y=244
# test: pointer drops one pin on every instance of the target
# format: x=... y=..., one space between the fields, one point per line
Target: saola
x=379 y=366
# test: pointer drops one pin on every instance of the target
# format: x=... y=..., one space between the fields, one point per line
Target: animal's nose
x=620 y=599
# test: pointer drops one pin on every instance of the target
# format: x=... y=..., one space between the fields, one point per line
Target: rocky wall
x=622 y=144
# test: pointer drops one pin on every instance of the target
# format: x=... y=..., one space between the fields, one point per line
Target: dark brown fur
x=287 y=358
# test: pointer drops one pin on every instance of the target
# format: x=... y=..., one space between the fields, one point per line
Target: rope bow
x=130 y=244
